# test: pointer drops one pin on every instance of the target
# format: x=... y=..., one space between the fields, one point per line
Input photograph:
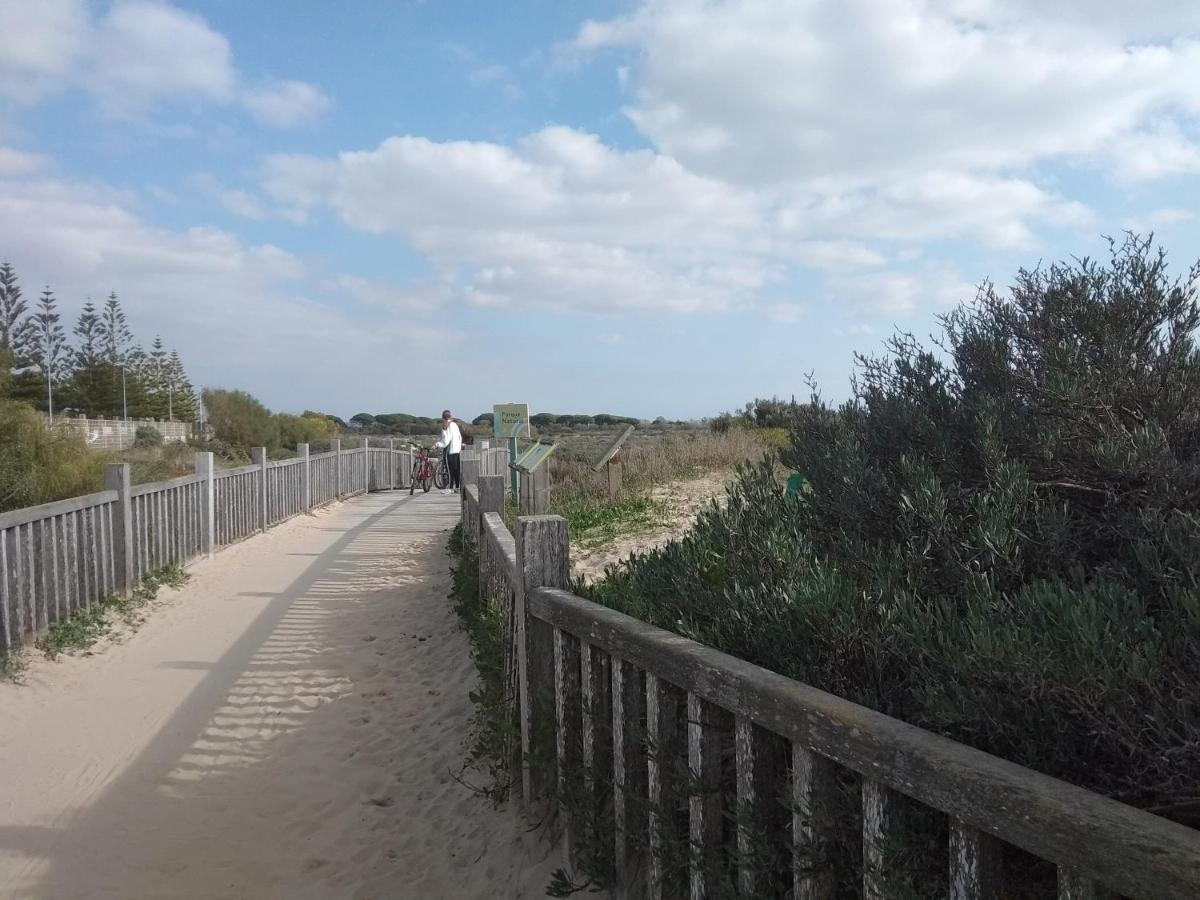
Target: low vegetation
x=87 y=626
x=1000 y=539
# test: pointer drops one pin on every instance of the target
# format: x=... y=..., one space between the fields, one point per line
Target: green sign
x=510 y=420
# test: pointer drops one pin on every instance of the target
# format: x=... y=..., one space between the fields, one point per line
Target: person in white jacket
x=451 y=441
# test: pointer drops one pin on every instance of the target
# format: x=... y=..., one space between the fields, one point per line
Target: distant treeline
x=404 y=423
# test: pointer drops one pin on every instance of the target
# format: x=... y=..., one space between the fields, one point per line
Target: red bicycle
x=422 y=473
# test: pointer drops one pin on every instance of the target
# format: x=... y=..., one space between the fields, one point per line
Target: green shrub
x=999 y=542
x=40 y=465
x=146 y=437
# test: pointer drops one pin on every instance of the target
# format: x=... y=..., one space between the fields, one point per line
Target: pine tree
x=182 y=396
x=156 y=379
x=47 y=344
x=14 y=326
x=92 y=376
x=115 y=340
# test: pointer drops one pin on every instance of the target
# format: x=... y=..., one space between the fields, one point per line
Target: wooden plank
x=879 y=841
x=661 y=787
x=567 y=719
x=1130 y=851
x=542 y=559
x=813 y=792
x=629 y=764
x=48 y=510
x=704 y=800
x=975 y=864
x=1074 y=885
x=747 y=803
x=7 y=612
x=157 y=487
x=612 y=449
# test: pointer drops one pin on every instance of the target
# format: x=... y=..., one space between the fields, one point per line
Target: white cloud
x=785 y=313
x=134 y=56
x=237 y=201
x=146 y=51
x=286 y=103
x=40 y=43
x=869 y=91
x=893 y=294
x=558 y=221
x=241 y=315
x=18 y=162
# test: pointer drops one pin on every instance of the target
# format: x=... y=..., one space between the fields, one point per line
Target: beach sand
x=289 y=724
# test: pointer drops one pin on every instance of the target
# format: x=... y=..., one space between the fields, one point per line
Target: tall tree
x=116 y=339
x=182 y=395
x=47 y=343
x=92 y=376
x=14 y=326
x=156 y=380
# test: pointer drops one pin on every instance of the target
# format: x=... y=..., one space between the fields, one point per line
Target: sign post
x=509 y=422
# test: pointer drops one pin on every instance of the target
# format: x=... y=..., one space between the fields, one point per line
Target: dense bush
x=1000 y=539
x=38 y=465
x=237 y=418
x=146 y=437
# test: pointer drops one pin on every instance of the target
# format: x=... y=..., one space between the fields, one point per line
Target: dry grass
x=654 y=459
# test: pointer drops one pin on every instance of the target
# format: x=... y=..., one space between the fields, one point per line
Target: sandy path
x=286 y=725
x=684 y=501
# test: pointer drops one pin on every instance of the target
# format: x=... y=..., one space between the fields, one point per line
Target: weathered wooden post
x=610 y=459
x=391 y=464
x=366 y=464
x=470 y=469
x=337 y=448
x=206 y=469
x=543 y=560
x=305 y=476
x=614 y=477
x=258 y=456
x=116 y=478
x=491 y=494
x=410 y=465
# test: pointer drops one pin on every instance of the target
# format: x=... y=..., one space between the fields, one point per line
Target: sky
x=656 y=208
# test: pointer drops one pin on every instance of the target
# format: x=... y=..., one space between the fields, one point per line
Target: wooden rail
x=60 y=558
x=631 y=706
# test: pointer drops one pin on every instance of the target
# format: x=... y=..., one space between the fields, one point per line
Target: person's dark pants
x=453 y=462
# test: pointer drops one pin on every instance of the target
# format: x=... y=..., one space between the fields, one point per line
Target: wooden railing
x=631 y=705
x=62 y=557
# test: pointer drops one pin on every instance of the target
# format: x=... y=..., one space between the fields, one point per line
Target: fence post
x=542 y=561
x=258 y=455
x=337 y=448
x=366 y=467
x=302 y=452
x=116 y=478
x=410 y=463
x=391 y=464
x=206 y=469
x=469 y=470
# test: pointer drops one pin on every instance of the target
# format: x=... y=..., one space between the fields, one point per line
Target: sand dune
x=289 y=724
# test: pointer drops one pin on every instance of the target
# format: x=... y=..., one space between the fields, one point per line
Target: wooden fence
x=631 y=707
x=62 y=557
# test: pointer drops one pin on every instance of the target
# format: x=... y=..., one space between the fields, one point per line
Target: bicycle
x=441 y=474
x=422 y=473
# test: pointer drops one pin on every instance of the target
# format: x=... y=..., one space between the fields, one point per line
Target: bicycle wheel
x=426 y=485
x=441 y=478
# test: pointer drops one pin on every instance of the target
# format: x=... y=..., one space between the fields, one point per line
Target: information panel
x=510 y=420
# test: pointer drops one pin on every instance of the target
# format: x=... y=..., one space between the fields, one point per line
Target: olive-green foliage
x=306 y=429
x=1000 y=542
x=238 y=419
x=39 y=465
x=146 y=437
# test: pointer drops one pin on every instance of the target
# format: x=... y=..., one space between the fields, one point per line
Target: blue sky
x=658 y=208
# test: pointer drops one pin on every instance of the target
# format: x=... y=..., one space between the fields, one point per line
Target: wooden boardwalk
x=289 y=724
